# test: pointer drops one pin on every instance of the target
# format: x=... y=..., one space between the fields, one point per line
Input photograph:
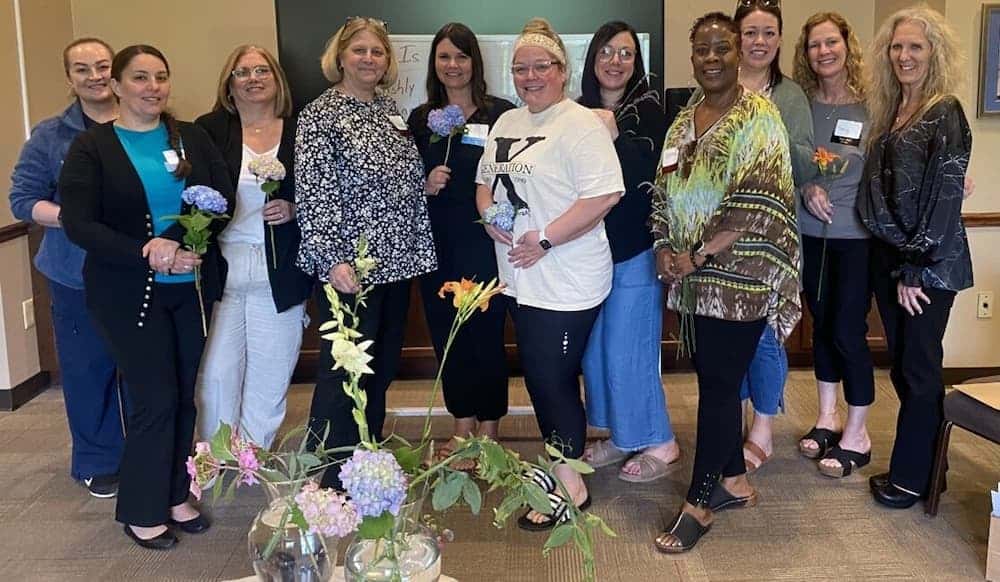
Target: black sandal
x=722 y=499
x=687 y=530
x=849 y=461
x=560 y=514
x=824 y=437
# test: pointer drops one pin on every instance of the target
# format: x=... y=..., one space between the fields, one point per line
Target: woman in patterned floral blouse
x=358 y=173
x=727 y=247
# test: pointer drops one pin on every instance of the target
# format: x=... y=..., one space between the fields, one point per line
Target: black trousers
x=160 y=364
x=551 y=345
x=917 y=353
x=722 y=354
x=474 y=379
x=838 y=293
x=383 y=321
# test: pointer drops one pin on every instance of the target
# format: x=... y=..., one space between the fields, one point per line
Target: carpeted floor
x=807 y=527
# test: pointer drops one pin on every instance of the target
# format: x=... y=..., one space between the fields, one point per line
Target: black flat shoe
x=164 y=541
x=891 y=496
x=194 y=525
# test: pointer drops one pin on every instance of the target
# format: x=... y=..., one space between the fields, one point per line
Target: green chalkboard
x=305 y=25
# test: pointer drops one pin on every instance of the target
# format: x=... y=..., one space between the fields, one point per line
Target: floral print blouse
x=911 y=197
x=358 y=172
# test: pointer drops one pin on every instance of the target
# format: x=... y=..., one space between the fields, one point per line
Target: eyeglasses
x=540 y=68
x=260 y=71
x=369 y=20
x=761 y=3
x=608 y=52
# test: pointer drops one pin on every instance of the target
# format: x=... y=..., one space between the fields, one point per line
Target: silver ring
x=659 y=277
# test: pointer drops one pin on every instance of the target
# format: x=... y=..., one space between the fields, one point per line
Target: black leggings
x=722 y=355
x=551 y=346
x=839 y=298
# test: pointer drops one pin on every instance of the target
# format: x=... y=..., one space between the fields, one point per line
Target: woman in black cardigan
x=257 y=331
x=119 y=184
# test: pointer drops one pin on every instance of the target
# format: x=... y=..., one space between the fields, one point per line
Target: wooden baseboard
x=19 y=395
x=954 y=376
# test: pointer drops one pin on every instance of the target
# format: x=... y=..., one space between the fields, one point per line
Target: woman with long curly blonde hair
x=911 y=201
x=835 y=245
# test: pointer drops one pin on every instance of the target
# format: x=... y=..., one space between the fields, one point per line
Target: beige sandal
x=650 y=468
x=603 y=453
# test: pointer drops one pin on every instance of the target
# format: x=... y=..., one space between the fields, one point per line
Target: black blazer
x=105 y=211
x=289 y=285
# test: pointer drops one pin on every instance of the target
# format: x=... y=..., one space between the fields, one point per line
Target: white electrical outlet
x=984 y=305
x=28 y=313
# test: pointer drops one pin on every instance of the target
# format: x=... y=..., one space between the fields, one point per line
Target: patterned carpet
x=807 y=527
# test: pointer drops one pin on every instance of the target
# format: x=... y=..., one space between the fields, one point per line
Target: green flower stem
x=201 y=300
x=456 y=324
x=274 y=248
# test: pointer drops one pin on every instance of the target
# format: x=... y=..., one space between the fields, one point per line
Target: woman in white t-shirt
x=554 y=161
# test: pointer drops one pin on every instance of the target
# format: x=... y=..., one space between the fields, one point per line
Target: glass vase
x=412 y=555
x=296 y=555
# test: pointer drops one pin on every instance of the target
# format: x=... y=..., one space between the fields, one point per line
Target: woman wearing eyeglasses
x=621 y=366
x=554 y=161
x=257 y=327
x=359 y=174
x=475 y=377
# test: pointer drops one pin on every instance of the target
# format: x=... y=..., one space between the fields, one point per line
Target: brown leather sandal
x=755 y=450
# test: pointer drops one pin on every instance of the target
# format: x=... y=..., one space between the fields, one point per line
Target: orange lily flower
x=824 y=158
x=459 y=288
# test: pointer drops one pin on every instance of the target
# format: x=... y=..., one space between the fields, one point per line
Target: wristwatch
x=698 y=250
x=543 y=241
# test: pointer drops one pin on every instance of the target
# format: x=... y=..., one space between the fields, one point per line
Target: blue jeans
x=90 y=386
x=764 y=383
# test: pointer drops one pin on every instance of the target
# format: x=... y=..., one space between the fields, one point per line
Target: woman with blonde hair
x=911 y=201
x=359 y=174
x=835 y=245
x=257 y=330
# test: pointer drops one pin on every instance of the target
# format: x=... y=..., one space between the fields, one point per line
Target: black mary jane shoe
x=891 y=496
x=164 y=541
x=195 y=525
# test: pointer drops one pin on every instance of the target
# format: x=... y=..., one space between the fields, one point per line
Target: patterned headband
x=540 y=40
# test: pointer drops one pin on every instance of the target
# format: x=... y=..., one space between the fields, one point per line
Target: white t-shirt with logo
x=542 y=163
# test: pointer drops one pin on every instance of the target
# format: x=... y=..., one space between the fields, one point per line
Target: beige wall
x=11 y=108
x=196 y=36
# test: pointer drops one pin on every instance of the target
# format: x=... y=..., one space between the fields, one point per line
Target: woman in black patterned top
x=911 y=200
x=358 y=173
x=475 y=379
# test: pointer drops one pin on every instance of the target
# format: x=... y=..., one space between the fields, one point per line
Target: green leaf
x=408 y=459
x=448 y=490
x=272 y=475
x=270 y=186
x=373 y=528
x=473 y=497
x=537 y=499
x=220 y=443
x=298 y=518
x=579 y=466
x=198 y=221
x=553 y=452
x=435 y=138
x=559 y=536
x=309 y=460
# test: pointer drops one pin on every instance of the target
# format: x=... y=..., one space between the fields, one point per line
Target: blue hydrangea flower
x=446 y=120
x=205 y=198
x=500 y=215
x=375 y=482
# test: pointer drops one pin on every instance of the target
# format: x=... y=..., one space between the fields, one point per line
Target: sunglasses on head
x=369 y=20
x=760 y=3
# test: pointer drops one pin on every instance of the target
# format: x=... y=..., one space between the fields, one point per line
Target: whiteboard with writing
x=413 y=51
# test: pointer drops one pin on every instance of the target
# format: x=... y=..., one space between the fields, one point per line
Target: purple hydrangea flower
x=375 y=482
x=500 y=215
x=205 y=198
x=446 y=120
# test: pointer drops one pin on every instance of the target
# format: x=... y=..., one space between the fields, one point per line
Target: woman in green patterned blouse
x=727 y=248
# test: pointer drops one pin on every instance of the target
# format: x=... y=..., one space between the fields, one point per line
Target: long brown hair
x=122 y=60
x=464 y=40
x=803 y=72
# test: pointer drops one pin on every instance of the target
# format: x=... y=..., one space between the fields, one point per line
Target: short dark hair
x=82 y=41
x=744 y=9
x=636 y=86
x=714 y=18
x=465 y=40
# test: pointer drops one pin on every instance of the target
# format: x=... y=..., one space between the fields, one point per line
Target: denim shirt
x=35 y=178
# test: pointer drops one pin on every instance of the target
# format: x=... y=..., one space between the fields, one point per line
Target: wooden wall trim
x=13 y=231
x=981 y=219
x=18 y=395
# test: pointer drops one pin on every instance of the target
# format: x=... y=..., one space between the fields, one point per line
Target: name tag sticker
x=397 y=122
x=475 y=134
x=170 y=160
x=668 y=160
x=847 y=132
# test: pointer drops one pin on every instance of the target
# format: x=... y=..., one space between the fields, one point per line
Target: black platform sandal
x=723 y=499
x=849 y=461
x=687 y=530
x=824 y=437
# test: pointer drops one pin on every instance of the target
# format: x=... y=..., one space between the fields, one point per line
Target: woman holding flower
x=835 y=245
x=358 y=175
x=475 y=376
x=257 y=327
x=553 y=160
x=122 y=184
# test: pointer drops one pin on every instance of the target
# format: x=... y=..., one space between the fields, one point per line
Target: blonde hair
x=224 y=94
x=803 y=72
x=944 y=68
x=538 y=32
x=338 y=43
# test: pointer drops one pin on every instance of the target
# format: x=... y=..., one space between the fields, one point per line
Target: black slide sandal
x=849 y=461
x=824 y=437
x=687 y=530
